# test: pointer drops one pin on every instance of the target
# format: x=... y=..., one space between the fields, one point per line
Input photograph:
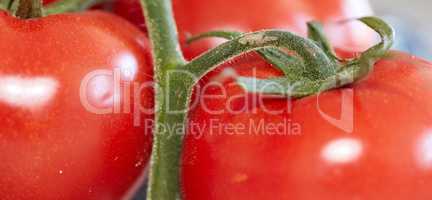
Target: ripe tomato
x=240 y=147
x=48 y=1
x=57 y=76
x=198 y=16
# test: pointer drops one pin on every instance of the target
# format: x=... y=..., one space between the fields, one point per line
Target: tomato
x=48 y=1
x=67 y=132
x=199 y=16
x=371 y=140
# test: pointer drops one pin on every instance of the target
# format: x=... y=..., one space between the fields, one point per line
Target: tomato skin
x=51 y=146
x=386 y=156
x=198 y=16
x=48 y=1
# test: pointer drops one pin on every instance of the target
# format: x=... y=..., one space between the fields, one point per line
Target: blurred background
x=411 y=19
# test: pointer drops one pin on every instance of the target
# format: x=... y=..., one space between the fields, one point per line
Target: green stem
x=5 y=4
x=229 y=35
x=27 y=9
x=318 y=64
x=63 y=6
x=172 y=97
x=163 y=33
x=291 y=66
x=318 y=72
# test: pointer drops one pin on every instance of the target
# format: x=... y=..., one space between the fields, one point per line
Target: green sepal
x=350 y=72
x=316 y=33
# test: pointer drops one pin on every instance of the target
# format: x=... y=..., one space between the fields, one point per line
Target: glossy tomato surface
x=369 y=141
x=198 y=16
x=69 y=130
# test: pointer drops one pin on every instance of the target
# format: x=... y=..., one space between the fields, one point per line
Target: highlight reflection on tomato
x=385 y=154
x=51 y=145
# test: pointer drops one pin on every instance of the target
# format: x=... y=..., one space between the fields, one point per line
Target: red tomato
x=48 y=1
x=371 y=141
x=198 y=16
x=53 y=144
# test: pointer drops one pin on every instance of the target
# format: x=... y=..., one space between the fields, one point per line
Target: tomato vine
x=314 y=66
x=320 y=71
